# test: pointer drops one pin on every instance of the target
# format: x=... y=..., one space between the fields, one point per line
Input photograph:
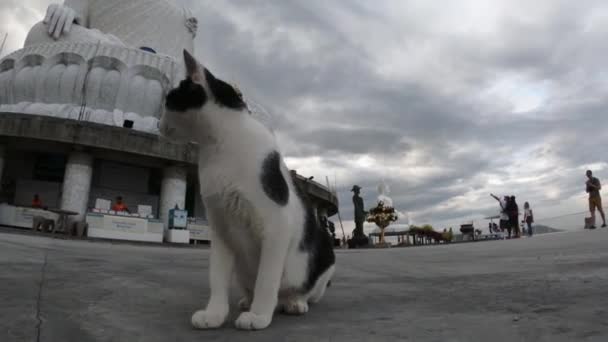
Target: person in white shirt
x=504 y=217
x=528 y=218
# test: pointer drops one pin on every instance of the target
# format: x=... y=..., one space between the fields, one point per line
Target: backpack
x=530 y=218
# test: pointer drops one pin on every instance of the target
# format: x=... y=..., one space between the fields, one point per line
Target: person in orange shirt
x=36 y=202
x=119 y=205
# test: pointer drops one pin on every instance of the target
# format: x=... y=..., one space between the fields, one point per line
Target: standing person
x=504 y=218
x=513 y=213
x=528 y=218
x=595 y=200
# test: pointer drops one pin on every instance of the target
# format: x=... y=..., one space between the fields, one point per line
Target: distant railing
x=568 y=222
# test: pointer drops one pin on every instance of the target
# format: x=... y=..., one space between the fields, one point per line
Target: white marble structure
x=383 y=192
x=1 y=163
x=85 y=61
x=77 y=184
x=157 y=24
x=104 y=61
x=172 y=192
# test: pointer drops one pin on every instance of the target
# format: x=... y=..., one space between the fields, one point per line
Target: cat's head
x=200 y=100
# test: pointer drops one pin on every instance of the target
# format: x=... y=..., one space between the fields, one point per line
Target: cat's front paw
x=204 y=319
x=245 y=303
x=252 y=321
x=295 y=307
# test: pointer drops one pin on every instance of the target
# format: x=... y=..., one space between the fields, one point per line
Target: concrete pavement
x=547 y=288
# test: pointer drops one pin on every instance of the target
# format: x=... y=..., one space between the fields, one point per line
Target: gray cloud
x=446 y=102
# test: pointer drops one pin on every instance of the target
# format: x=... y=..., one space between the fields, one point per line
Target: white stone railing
x=85 y=81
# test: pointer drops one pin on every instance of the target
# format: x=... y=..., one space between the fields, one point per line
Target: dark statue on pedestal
x=358 y=239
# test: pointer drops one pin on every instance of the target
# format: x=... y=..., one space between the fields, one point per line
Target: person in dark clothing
x=593 y=187
x=513 y=212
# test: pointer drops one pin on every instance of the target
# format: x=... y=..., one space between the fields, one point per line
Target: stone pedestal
x=77 y=184
x=173 y=191
x=177 y=236
x=358 y=242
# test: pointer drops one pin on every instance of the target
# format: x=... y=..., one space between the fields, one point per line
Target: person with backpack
x=528 y=218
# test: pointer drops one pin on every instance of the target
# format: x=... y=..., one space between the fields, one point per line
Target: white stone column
x=77 y=184
x=172 y=191
x=321 y=211
x=2 y=152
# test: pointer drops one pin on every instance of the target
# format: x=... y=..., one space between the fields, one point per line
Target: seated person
x=36 y=202
x=119 y=205
x=119 y=23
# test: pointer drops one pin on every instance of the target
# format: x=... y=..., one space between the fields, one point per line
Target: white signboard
x=23 y=217
x=124 y=228
x=125 y=224
x=199 y=232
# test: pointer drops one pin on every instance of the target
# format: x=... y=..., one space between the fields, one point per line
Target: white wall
x=121 y=176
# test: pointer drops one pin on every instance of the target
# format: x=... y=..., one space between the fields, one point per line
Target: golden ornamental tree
x=382 y=216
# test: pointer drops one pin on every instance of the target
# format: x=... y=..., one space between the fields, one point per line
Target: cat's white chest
x=241 y=225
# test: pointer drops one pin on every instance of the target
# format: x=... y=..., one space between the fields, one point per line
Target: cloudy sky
x=445 y=101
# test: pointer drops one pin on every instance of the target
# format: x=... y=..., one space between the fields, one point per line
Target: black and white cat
x=263 y=228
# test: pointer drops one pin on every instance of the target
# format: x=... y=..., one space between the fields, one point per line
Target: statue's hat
x=355 y=188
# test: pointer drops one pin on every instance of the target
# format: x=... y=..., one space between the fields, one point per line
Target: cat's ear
x=192 y=67
x=224 y=93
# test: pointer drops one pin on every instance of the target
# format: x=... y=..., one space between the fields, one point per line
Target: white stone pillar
x=321 y=211
x=2 y=152
x=77 y=184
x=172 y=191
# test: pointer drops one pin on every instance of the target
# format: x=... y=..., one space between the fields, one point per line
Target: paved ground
x=548 y=288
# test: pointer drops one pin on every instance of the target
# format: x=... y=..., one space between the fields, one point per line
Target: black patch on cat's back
x=225 y=95
x=319 y=245
x=188 y=95
x=273 y=182
x=316 y=242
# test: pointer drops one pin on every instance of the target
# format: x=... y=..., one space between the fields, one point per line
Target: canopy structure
x=394 y=230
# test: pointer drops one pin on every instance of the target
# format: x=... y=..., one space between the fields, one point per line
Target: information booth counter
x=22 y=217
x=122 y=227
